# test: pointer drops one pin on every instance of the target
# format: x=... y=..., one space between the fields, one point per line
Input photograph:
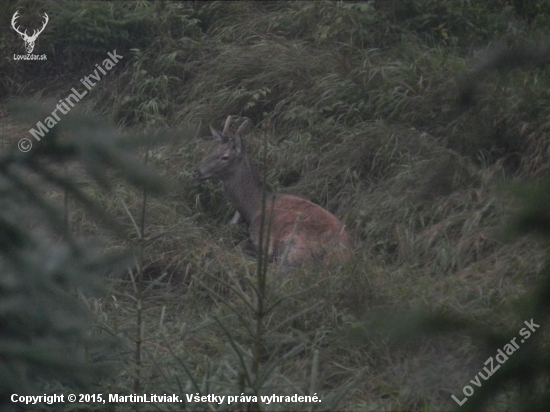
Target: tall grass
x=389 y=114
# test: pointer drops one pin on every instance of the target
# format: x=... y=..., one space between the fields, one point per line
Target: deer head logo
x=29 y=40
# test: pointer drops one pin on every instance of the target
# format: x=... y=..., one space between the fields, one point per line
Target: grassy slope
x=360 y=115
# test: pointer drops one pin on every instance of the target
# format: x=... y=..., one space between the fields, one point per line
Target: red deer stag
x=299 y=229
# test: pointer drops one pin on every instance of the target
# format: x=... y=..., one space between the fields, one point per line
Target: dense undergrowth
x=409 y=120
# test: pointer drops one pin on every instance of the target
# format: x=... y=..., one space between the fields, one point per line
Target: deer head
x=29 y=40
x=227 y=158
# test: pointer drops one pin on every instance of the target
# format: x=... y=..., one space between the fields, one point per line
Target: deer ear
x=218 y=136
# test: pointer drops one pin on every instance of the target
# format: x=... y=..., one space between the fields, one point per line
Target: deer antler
x=46 y=20
x=227 y=124
x=243 y=126
x=15 y=16
x=35 y=32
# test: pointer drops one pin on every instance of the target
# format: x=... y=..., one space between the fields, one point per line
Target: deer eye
x=225 y=157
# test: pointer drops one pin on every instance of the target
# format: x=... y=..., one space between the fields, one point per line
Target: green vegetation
x=423 y=125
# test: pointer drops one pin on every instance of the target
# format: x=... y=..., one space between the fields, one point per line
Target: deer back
x=300 y=229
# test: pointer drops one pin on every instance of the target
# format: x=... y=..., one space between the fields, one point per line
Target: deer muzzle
x=198 y=175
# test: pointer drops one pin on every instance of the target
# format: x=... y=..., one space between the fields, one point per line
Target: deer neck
x=244 y=189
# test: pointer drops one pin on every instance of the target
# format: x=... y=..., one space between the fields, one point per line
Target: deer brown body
x=298 y=229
